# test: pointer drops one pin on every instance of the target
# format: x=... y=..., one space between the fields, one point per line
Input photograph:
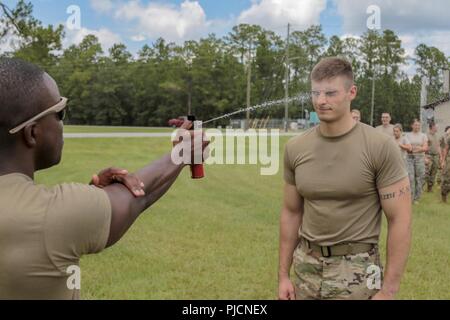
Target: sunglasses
x=59 y=109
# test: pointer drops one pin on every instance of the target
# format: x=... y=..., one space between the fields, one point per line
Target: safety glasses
x=59 y=109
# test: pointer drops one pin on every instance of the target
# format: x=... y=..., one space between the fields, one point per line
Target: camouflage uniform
x=432 y=162
x=440 y=172
x=445 y=187
x=348 y=277
x=416 y=171
x=431 y=170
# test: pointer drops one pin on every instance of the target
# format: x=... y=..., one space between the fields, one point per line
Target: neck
x=386 y=125
x=12 y=163
x=337 y=128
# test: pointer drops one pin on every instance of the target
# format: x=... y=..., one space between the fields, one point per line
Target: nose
x=321 y=99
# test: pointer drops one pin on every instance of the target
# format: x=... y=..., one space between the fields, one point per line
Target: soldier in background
x=403 y=142
x=416 y=159
x=442 y=146
x=433 y=156
x=356 y=115
x=445 y=165
x=386 y=127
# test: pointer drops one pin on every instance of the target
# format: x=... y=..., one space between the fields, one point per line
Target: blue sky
x=138 y=22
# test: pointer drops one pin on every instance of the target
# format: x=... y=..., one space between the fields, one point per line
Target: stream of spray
x=304 y=97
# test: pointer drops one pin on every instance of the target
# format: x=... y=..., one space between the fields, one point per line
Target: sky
x=140 y=22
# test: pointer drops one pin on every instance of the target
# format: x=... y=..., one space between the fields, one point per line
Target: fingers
x=187 y=125
x=112 y=172
x=291 y=293
x=95 y=181
x=133 y=183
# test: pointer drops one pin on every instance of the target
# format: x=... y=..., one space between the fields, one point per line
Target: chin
x=327 y=119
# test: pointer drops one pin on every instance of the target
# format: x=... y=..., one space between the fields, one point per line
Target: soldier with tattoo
x=339 y=178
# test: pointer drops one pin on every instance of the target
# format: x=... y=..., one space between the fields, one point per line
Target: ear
x=353 y=92
x=29 y=135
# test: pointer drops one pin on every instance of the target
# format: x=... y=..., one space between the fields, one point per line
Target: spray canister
x=197 y=170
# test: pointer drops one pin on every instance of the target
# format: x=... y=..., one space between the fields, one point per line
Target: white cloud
x=102 y=6
x=138 y=37
x=173 y=23
x=106 y=37
x=401 y=16
x=10 y=41
x=414 y=21
x=438 y=39
x=275 y=14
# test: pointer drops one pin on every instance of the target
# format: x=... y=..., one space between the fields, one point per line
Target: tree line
x=209 y=77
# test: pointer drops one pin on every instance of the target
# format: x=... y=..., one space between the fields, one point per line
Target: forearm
x=158 y=192
x=424 y=148
x=157 y=178
x=289 y=225
x=405 y=147
x=398 y=245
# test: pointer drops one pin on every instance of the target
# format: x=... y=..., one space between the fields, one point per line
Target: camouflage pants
x=416 y=171
x=432 y=168
x=349 y=277
x=445 y=187
x=439 y=177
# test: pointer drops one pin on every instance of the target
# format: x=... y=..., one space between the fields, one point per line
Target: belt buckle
x=328 y=252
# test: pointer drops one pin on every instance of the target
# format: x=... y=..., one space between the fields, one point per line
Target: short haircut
x=386 y=113
x=333 y=67
x=356 y=111
x=21 y=91
x=415 y=120
x=446 y=129
x=431 y=125
x=398 y=126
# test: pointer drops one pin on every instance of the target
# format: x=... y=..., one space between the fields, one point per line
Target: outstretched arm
x=157 y=178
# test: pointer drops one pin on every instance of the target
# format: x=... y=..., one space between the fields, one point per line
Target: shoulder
x=77 y=197
x=378 y=144
x=302 y=139
x=373 y=134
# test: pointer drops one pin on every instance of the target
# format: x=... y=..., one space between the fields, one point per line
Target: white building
x=439 y=111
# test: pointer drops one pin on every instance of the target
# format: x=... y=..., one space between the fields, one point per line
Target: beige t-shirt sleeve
x=77 y=222
x=389 y=165
x=289 y=171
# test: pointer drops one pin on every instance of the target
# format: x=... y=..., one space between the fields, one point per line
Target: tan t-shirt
x=433 y=143
x=44 y=231
x=339 y=179
x=389 y=130
x=417 y=140
x=403 y=140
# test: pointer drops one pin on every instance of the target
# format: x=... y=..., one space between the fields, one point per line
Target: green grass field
x=217 y=238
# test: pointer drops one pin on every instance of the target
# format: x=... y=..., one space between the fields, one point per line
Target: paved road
x=136 y=135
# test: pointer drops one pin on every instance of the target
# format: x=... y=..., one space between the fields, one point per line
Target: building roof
x=436 y=103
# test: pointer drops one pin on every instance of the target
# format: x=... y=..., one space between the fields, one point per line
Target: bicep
x=396 y=199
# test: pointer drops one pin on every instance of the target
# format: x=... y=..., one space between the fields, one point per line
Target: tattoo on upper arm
x=388 y=196
x=405 y=190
